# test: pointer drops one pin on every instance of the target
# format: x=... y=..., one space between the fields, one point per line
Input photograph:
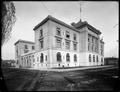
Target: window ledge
x=58 y=36
x=40 y=38
x=75 y=41
x=67 y=39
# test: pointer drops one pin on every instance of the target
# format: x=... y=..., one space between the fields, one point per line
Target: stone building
x=23 y=47
x=58 y=44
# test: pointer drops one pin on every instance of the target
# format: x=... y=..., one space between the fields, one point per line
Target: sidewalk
x=73 y=69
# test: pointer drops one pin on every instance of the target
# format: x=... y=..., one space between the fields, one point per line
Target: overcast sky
x=102 y=15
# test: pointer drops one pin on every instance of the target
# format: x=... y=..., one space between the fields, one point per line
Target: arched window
x=30 y=61
x=17 y=62
x=46 y=57
x=37 y=59
x=75 y=58
x=89 y=58
x=97 y=58
x=30 y=58
x=101 y=59
x=27 y=61
x=93 y=58
x=59 y=57
x=41 y=58
x=24 y=62
x=67 y=57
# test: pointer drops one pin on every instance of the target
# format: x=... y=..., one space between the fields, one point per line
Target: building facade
x=58 y=44
x=23 y=47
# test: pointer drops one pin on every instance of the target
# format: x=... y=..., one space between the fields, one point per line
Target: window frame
x=58 y=31
x=93 y=58
x=46 y=57
x=41 y=33
x=75 y=58
x=25 y=47
x=41 y=58
x=67 y=46
x=33 y=47
x=90 y=58
x=75 y=37
x=67 y=57
x=67 y=34
x=58 y=42
x=59 y=57
x=41 y=43
x=75 y=46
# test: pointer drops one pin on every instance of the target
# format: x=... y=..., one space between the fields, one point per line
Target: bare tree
x=8 y=20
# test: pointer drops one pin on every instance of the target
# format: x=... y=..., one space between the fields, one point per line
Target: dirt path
x=26 y=83
x=30 y=84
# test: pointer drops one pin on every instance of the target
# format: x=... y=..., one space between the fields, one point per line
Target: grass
x=35 y=80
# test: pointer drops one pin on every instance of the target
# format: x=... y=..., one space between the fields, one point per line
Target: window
x=37 y=59
x=22 y=59
x=89 y=36
x=97 y=58
x=89 y=42
x=41 y=43
x=58 y=31
x=92 y=43
x=101 y=49
x=27 y=60
x=75 y=46
x=58 y=42
x=30 y=58
x=93 y=58
x=26 y=51
x=26 y=47
x=75 y=58
x=74 y=35
x=96 y=44
x=46 y=57
x=88 y=46
x=41 y=32
x=41 y=58
x=59 y=57
x=101 y=60
x=33 y=58
x=17 y=51
x=89 y=58
x=58 y=64
x=67 y=57
x=92 y=39
x=88 y=39
x=68 y=45
x=17 y=62
x=33 y=47
x=67 y=34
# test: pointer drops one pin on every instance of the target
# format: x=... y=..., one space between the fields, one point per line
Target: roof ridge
x=20 y=40
x=55 y=20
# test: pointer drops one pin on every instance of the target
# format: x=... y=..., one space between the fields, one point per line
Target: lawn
x=35 y=80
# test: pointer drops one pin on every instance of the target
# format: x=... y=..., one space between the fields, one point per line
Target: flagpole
x=80 y=11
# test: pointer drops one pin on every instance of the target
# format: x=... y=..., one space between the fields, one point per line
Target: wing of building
x=58 y=44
